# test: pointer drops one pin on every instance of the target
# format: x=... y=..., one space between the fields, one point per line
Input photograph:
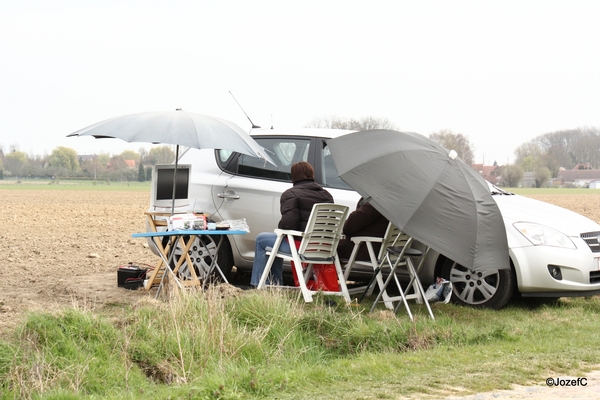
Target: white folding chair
x=400 y=254
x=390 y=238
x=318 y=246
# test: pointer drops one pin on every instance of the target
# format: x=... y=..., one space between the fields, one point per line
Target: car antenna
x=253 y=125
x=271 y=121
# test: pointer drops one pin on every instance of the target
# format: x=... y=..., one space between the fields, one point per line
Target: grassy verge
x=272 y=345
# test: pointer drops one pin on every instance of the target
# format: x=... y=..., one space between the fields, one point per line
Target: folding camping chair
x=318 y=246
x=401 y=254
x=390 y=238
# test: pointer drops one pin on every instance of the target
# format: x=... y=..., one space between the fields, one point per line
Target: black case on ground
x=131 y=276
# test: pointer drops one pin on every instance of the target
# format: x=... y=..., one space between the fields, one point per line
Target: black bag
x=131 y=276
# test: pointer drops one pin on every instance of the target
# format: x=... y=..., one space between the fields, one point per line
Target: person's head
x=302 y=171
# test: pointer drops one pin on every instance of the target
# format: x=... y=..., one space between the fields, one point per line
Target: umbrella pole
x=174 y=180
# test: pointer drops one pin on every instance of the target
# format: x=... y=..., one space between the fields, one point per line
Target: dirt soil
x=62 y=247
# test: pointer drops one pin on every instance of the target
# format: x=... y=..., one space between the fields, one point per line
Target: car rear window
x=284 y=151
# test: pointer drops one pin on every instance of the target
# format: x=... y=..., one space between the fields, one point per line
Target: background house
x=580 y=176
x=116 y=163
x=595 y=184
x=491 y=173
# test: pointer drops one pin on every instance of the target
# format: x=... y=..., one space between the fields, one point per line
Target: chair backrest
x=323 y=232
x=393 y=237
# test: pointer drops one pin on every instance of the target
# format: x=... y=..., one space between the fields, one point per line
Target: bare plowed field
x=63 y=247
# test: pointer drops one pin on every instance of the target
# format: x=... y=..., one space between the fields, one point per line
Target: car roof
x=314 y=132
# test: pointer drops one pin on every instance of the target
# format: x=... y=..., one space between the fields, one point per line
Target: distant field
x=46 y=184
x=38 y=184
x=534 y=191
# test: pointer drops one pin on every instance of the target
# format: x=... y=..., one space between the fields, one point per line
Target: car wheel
x=489 y=289
x=201 y=253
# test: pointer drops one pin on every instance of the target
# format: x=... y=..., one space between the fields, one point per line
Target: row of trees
x=543 y=156
x=64 y=162
x=446 y=138
x=561 y=149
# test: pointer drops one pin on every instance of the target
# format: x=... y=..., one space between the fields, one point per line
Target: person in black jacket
x=364 y=221
x=296 y=205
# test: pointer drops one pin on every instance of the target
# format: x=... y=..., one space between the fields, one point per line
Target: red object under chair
x=324 y=276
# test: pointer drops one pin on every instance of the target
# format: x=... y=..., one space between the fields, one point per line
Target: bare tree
x=326 y=122
x=362 y=124
x=369 y=123
x=586 y=148
x=143 y=154
x=454 y=141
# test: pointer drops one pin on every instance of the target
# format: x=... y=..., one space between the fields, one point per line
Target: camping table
x=155 y=221
x=185 y=239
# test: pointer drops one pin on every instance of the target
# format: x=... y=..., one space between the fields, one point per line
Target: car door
x=249 y=188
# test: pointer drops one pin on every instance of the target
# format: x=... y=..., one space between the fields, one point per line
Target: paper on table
x=236 y=224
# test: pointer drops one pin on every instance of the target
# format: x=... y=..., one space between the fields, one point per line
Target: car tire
x=489 y=289
x=198 y=253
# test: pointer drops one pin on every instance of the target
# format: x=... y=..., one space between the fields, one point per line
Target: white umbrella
x=180 y=128
x=177 y=127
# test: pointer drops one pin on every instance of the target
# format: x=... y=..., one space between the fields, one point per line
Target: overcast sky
x=499 y=72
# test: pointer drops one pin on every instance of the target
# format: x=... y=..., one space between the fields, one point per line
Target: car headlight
x=540 y=235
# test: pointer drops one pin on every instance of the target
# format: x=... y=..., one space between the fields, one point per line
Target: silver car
x=554 y=252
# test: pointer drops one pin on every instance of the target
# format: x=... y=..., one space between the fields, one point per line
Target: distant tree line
x=446 y=138
x=546 y=154
x=65 y=163
x=565 y=149
x=360 y=124
x=543 y=156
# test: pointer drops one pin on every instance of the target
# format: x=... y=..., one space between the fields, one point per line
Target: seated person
x=296 y=204
x=364 y=221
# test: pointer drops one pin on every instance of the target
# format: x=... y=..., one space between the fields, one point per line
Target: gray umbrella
x=177 y=127
x=427 y=192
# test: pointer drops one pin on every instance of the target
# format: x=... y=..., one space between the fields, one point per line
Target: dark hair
x=302 y=171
